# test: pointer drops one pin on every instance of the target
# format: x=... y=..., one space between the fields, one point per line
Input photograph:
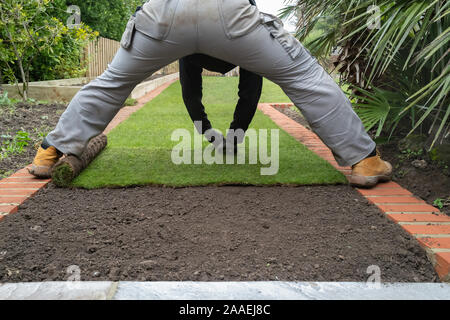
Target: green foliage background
x=400 y=72
x=63 y=58
x=108 y=17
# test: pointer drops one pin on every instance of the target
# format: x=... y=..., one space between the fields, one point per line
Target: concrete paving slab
x=279 y=291
x=56 y=291
x=223 y=291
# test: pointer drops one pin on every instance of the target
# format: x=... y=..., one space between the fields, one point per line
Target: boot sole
x=368 y=182
x=41 y=172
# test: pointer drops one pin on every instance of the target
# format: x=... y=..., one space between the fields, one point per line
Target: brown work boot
x=368 y=172
x=43 y=162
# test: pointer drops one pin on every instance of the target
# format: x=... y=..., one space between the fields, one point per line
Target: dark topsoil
x=429 y=183
x=35 y=119
x=320 y=233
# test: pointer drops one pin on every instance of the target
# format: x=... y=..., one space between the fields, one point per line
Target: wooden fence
x=232 y=73
x=101 y=52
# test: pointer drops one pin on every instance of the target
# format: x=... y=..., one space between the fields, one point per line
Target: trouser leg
x=307 y=84
x=96 y=104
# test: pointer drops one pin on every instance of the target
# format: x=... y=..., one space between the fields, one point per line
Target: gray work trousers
x=231 y=30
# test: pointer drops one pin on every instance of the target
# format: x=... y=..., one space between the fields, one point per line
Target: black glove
x=234 y=137
x=215 y=138
x=231 y=145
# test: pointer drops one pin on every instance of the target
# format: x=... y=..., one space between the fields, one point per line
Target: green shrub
x=401 y=66
x=130 y=102
x=34 y=45
x=65 y=59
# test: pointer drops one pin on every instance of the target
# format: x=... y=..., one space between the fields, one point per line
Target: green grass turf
x=139 y=149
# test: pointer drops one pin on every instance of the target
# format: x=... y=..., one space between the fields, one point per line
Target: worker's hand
x=215 y=138
x=234 y=137
x=231 y=145
x=237 y=134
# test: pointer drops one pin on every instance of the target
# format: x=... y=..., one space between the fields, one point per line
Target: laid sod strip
x=70 y=167
x=139 y=150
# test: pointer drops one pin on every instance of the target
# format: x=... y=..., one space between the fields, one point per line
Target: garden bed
x=321 y=233
x=429 y=183
x=232 y=233
x=34 y=121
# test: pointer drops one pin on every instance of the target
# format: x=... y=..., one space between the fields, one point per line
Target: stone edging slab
x=223 y=291
x=426 y=223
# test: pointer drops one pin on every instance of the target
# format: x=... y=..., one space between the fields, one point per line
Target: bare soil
x=320 y=233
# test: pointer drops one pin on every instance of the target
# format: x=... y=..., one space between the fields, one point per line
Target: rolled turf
x=70 y=167
x=139 y=150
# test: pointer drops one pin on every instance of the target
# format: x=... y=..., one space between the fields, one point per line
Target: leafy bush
x=108 y=17
x=34 y=44
x=398 y=70
x=65 y=59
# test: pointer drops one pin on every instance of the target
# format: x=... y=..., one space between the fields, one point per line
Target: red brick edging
x=426 y=223
x=17 y=188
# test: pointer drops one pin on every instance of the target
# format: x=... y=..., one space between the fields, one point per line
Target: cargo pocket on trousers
x=156 y=18
x=238 y=17
x=127 y=37
x=276 y=28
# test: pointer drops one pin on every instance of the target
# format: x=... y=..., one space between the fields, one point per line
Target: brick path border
x=424 y=222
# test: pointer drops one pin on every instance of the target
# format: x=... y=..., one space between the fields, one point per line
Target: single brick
x=29 y=185
x=324 y=154
x=419 y=217
x=8 y=209
x=319 y=149
x=389 y=185
x=384 y=192
x=18 y=192
x=24 y=180
x=18 y=200
x=443 y=265
x=314 y=144
x=387 y=200
x=427 y=229
x=407 y=208
x=21 y=173
x=436 y=243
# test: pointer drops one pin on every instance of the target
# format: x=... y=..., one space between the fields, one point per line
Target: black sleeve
x=191 y=86
x=250 y=87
